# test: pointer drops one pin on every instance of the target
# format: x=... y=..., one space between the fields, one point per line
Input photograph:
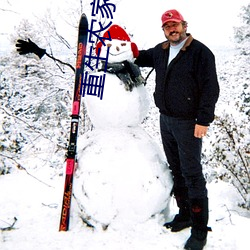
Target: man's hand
x=24 y=47
x=200 y=131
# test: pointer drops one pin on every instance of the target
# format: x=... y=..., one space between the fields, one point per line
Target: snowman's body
x=118 y=108
x=122 y=177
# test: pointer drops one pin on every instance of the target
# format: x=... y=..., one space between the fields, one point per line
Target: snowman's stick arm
x=25 y=47
x=61 y=62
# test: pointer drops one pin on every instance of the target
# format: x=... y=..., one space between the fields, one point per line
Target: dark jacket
x=188 y=87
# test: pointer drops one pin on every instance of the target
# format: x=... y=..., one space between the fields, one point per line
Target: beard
x=175 y=37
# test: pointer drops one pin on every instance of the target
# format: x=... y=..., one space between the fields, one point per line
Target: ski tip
x=83 y=21
x=83 y=15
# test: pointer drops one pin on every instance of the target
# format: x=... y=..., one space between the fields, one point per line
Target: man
x=186 y=93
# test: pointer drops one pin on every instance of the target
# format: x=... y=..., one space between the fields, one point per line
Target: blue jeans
x=183 y=152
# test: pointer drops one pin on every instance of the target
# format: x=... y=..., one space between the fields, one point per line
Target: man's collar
x=166 y=44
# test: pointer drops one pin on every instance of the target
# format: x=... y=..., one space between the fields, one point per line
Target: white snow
x=122 y=178
x=31 y=198
x=37 y=208
x=124 y=108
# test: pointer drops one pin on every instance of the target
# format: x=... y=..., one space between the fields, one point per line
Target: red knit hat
x=171 y=16
x=117 y=32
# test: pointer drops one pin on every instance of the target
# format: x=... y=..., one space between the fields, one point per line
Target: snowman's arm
x=25 y=47
x=57 y=60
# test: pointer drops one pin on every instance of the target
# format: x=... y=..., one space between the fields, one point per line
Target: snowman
x=122 y=178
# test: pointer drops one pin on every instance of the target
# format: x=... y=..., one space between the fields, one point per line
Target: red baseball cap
x=171 y=16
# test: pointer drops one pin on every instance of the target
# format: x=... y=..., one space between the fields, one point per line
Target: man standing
x=186 y=92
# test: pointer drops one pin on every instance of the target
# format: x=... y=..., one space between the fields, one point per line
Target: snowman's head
x=120 y=47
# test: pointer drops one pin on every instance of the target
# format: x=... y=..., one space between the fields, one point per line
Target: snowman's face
x=118 y=51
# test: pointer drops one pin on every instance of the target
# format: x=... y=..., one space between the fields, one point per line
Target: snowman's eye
x=109 y=44
x=123 y=44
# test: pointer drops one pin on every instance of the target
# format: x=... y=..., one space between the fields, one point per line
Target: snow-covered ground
x=37 y=208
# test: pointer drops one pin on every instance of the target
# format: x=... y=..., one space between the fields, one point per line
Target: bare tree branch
x=19 y=166
x=10 y=227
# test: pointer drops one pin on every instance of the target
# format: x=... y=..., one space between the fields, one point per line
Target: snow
x=33 y=195
x=122 y=182
x=125 y=108
x=37 y=208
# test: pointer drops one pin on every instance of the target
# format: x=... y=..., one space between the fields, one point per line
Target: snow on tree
x=242 y=33
x=230 y=151
x=35 y=103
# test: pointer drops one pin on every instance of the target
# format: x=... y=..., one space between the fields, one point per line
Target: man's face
x=174 y=32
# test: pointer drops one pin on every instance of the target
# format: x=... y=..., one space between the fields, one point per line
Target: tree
x=35 y=105
x=36 y=95
x=242 y=33
x=230 y=153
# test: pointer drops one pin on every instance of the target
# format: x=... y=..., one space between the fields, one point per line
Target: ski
x=71 y=160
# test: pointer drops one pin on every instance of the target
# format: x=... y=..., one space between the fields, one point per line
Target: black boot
x=197 y=240
x=199 y=215
x=182 y=220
